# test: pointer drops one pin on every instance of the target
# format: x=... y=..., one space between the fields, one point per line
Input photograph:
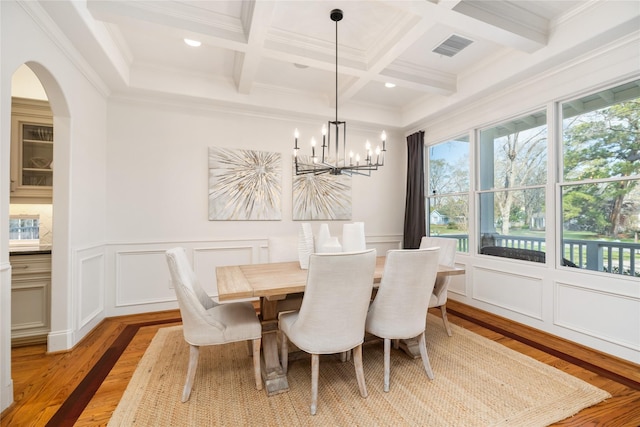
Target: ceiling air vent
x=452 y=45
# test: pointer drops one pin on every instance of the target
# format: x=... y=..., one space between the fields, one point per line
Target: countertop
x=29 y=250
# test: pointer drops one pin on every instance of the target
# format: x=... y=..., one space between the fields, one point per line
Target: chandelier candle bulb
x=383 y=136
x=367 y=152
x=324 y=138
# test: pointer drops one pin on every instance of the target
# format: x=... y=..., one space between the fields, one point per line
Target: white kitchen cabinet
x=30 y=298
x=31 y=151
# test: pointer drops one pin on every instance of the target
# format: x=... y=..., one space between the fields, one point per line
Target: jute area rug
x=477 y=383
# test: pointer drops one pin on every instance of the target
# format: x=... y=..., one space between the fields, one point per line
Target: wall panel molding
x=206 y=259
x=518 y=293
x=141 y=279
x=137 y=273
x=458 y=284
x=609 y=316
x=91 y=287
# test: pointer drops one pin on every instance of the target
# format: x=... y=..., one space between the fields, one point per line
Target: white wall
x=598 y=310
x=158 y=176
x=158 y=194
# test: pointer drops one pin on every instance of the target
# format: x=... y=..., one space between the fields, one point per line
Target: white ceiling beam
x=256 y=17
x=216 y=29
x=507 y=23
x=497 y=21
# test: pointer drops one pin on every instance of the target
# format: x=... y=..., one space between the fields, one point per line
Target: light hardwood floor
x=48 y=388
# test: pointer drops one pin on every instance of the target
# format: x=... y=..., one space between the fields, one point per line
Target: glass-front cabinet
x=31 y=151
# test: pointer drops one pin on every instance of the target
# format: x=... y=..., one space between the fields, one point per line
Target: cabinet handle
x=20 y=267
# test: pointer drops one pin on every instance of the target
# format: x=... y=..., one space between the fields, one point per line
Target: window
x=512 y=180
x=448 y=190
x=600 y=185
x=594 y=202
x=24 y=229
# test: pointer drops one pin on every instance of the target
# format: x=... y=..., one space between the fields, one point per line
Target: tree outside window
x=600 y=180
x=448 y=190
x=512 y=181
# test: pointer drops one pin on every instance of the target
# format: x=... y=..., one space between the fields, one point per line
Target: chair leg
x=425 y=358
x=315 y=367
x=191 y=372
x=387 y=363
x=445 y=319
x=284 y=352
x=256 y=362
x=357 y=362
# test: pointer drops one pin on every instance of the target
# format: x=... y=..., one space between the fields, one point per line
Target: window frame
x=463 y=245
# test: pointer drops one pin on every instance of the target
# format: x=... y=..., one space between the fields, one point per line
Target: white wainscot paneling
x=515 y=292
x=611 y=317
x=382 y=244
x=91 y=288
x=457 y=284
x=142 y=277
x=205 y=261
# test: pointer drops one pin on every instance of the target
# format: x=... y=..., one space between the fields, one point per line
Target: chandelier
x=342 y=162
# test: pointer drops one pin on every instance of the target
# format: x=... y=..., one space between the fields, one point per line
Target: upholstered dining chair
x=399 y=310
x=283 y=248
x=440 y=291
x=333 y=311
x=206 y=323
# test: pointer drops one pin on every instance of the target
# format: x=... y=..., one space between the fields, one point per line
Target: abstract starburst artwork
x=321 y=197
x=244 y=185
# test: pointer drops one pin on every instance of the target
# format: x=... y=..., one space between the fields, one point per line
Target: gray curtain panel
x=414 y=214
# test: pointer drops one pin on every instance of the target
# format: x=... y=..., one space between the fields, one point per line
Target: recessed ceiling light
x=191 y=42
x=389 y=84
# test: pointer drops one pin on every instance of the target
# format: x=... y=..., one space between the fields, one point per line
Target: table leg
x=411 y=347
x=275 y=380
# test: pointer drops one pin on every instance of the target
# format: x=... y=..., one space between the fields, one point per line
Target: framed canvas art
x=321 y=197
x=244 y=185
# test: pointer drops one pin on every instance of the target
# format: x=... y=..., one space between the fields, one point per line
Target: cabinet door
x=31 y=151
x=36 y=155
x=30 y=298
x=30 y=302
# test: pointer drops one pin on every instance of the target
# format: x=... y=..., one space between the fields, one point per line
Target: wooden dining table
x=280 y=287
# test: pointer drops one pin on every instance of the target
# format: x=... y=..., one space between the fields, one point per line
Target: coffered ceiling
x=281 y=54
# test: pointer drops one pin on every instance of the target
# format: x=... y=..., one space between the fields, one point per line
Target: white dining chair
x=206 y=323
x=440 y=290
x=333 y=312
x=283 y=248
x=399 y=309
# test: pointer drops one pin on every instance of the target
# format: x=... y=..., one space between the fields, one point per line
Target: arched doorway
x=30 y=209
x=60 y=316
